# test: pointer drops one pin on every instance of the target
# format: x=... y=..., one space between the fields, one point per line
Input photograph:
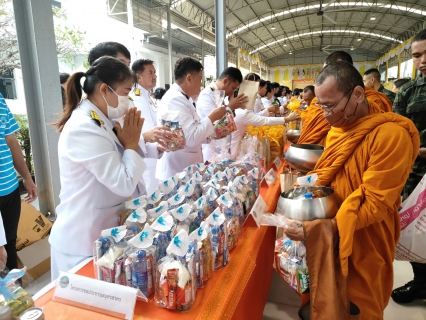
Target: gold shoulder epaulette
x=95 y=118
x=212 y=88
x=137 y=92
x=130 y=98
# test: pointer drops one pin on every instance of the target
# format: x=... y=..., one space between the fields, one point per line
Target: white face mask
x=121 y=109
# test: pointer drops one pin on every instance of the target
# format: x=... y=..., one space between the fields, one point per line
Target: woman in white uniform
x=100 y=166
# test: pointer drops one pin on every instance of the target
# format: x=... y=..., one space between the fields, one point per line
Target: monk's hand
x=294 y=230
x=422 y=153
x=291 y=117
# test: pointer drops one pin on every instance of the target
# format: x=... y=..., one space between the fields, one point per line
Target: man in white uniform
x=269 y=96
x=228 y=81
x=146 y=80
x=188 y=74
x=259 y=108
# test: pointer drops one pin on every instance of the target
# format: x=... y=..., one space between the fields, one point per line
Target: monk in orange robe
x=368 y=158
x=314 y=126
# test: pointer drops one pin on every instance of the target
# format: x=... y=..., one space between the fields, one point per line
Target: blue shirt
x=8 y=178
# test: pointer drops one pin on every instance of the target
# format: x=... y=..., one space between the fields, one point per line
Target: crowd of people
x=112 y=146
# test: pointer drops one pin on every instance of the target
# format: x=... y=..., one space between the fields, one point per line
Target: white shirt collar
x=145 y=93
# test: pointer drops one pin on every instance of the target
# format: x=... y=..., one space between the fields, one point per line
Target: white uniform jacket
x=259 y=109
x=196 y=132
x=145 y=104
x=97 y=175
x=245 y=118
x=205 y=104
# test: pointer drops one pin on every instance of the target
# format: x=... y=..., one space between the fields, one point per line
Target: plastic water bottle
x=140 y=273
x=254 y=186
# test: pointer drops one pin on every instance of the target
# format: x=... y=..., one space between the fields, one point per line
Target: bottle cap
x=308 y=195
x=141 y=254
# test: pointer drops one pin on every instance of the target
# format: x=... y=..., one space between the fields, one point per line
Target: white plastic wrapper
x=218 y=176
x=254 y=173
x=216 y=218
x=212 y=183
x=154 y=197
x=167 y=186
x=273 y=220
x=143 y=239
x=244 y=179
x=201 y=203
x=163 y=223
x=117 y=233
x=179 y=244
x=212 y=194
x=189 y=169
x=189 y=188
x=177 y=199
x=139 y=215
x=197 y=176
x=136 y=203
x=200 y=166
x=228 y=173
x=225 y=199
x=156 y=212
x=200 y=233
x=108 y=259
x=183 y=177
x=307 y=181
x=182 y=212
x=235 y=171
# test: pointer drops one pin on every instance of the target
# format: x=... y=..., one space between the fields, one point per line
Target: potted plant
x=23 y=137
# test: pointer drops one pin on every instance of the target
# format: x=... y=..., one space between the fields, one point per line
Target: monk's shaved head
x=345 y=75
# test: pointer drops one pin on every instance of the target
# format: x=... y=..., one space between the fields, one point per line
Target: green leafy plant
x=69 y=40
x=23 y=137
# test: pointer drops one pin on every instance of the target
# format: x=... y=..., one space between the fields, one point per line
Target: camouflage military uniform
x=387 y=93
x=411 y=103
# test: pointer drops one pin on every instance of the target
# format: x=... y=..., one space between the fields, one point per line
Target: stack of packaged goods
x=171 y=241
x=290 y=263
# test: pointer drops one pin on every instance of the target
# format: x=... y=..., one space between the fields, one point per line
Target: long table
x=238 y=291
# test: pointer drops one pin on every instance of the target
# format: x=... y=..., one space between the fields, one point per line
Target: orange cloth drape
x=238 y=291
x=314 y=127
x=367 y=164
x=379 y=99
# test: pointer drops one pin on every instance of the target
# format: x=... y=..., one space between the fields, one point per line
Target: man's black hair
x=139 y=65
x=262 y=83
x=345 y=75
x=339 y=56
x=373 y=72
x=232 y=73
x=309 y=88
x=63 y=77
x=186 y=65
x=275 y=85
x=398 y=83
x=107 y=49
x=252 y=76
x=420 y=36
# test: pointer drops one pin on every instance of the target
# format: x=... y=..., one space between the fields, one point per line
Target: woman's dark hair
x=159 y=93
x=268 y=87
x=106 y=69
x=262 y=83
x=107 y=49
x=252 y=76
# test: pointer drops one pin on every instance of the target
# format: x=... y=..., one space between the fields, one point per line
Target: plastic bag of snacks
x=203 y=260
x=181 y=215
x=218 y=238
x=171 y=120
x=154 y=213
x=232 y=221
x=154 y=199
x=291 y=263
x=173 y=278
x=224 y=126
x=163 y=225
x=169 y=187
x=136 y=218
x=140 y=263
x=12 y=294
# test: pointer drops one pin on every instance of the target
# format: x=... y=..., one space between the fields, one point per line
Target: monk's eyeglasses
x=330 y=109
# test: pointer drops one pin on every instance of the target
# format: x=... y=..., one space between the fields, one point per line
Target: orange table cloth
x=238 y=291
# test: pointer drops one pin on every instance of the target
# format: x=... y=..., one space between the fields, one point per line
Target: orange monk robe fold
x=367 y=164
x=378 y=98
x=315 y=128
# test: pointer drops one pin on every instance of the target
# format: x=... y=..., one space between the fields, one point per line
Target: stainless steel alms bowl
x=303 y=157
x=309 y=209
x=293 y=135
